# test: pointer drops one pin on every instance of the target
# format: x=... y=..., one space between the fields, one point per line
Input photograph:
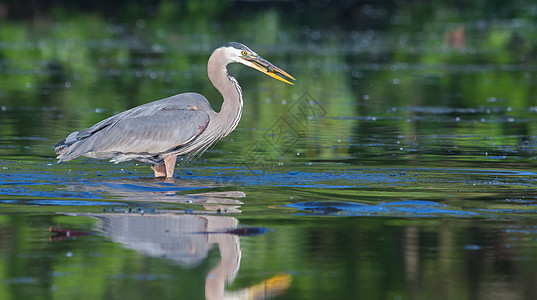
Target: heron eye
x=244 y=53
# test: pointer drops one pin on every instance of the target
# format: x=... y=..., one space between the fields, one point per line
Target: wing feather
x=153 y=134
x=151 y=128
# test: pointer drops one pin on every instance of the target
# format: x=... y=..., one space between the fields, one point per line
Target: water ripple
x=391 y=209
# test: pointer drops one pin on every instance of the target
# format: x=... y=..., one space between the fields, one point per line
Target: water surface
x=400 y=166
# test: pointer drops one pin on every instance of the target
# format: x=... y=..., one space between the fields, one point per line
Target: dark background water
x=399 y=166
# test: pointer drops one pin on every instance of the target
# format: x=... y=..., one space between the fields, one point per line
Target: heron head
x=241 y=54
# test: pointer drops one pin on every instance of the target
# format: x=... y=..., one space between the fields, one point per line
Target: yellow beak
x=268 y=68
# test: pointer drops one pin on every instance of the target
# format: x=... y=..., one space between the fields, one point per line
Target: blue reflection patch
x=62 y=202
x=413 y=208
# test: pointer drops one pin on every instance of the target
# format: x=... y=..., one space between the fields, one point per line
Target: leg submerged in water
x=165 y=170
x=160 y=170
x=169 y=162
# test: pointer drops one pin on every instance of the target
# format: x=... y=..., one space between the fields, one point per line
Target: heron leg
x=169 y=162
x=160 y=170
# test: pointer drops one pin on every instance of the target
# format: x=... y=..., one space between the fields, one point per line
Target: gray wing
x=151 y=128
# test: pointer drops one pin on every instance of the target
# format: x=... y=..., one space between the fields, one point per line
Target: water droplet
x=140 y=23
x=472 y=247
x=357 y=74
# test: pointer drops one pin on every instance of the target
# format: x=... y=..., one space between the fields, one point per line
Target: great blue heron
x=184 y=124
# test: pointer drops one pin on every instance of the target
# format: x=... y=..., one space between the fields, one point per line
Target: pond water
x=401 y=165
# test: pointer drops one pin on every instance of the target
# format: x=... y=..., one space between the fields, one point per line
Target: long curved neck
x=231 y=111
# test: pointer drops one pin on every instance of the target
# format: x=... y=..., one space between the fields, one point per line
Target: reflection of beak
x=266 y=67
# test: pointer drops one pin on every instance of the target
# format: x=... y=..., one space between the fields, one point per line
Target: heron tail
x=60 y=147
x=68 y=148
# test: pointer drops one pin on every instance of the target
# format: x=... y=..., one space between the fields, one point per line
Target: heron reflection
x=187 y=240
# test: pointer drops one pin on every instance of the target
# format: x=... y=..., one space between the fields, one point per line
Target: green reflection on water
x=370 y=257
x=72 y=70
